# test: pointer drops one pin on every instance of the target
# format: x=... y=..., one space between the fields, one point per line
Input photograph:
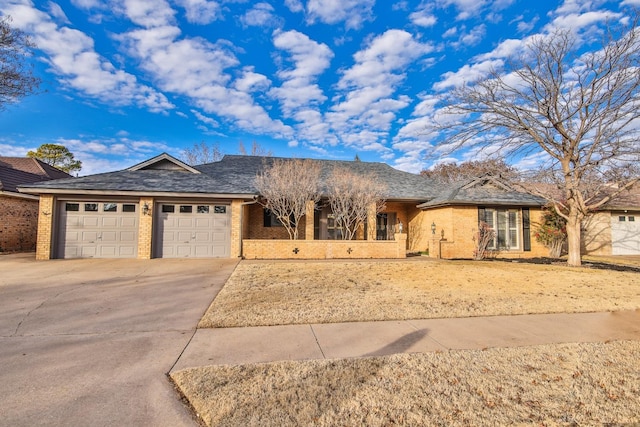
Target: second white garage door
x=625 y=233
x=192 y=230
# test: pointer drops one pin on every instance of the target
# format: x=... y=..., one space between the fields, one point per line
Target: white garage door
x=98 y=230
x=625 y=234
x=197 y=230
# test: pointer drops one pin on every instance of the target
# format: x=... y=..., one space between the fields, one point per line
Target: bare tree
x=485 y=235
x=580 y=111
x=286 y=185
x=452 y=172
x=202 y=153
x=256 y=150
x=351 y=195
x=16 y=74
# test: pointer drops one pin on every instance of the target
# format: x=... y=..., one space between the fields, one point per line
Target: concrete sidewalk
x=340 y=340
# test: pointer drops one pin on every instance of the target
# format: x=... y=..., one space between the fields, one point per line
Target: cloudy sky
x=125 y=80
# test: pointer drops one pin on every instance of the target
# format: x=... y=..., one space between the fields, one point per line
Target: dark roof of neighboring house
x=628 y=199
x=235 y=175
x=15 y=171
x=487 y=190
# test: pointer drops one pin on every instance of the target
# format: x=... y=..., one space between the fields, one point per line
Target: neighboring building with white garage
x=615 y=229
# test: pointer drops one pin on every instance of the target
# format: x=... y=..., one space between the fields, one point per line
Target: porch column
x=145 y=227
x=371 y=222
x=309 y=223
x=236 y=226
x=45 y=227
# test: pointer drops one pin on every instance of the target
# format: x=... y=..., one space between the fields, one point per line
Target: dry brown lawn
x=569 y=384
x=277 y=293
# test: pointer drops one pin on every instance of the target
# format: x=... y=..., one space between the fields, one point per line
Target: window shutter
x=481 y=216
x=526 y=230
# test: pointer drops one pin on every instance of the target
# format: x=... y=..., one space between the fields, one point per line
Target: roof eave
x=83 y=192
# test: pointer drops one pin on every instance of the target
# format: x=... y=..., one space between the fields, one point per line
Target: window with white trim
x=507 y=224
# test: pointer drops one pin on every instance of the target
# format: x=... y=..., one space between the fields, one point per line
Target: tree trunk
x=574 y=239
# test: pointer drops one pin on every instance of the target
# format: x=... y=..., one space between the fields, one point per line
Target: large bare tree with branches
x=350 y=196
x=16 y=73
x=579 y=111
x=285 y=187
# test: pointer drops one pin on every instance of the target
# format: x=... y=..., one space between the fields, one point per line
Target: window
x=632 y=219
x=507 y=225
x=128 y=208
x=91 y=207
x=203 y=209
x=270 y=219
x=110 y=207
x=621 y=218
x=334 y=232
x=220 y=209
x=72 y=207
x=186 y=208
x=168 y=208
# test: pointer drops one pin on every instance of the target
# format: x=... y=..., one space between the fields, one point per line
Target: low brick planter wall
x=324 y=249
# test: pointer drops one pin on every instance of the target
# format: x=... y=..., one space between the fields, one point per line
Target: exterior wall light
x=146 y=210
x=433 y=228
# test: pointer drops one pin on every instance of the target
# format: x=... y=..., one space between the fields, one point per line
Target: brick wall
x=46 y=216
x=256 y=229
x=596 y=234
x=325 y=249
x=18 y=224
x=456 y=227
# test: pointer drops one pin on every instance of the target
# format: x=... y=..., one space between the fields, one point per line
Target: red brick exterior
x=18 y=224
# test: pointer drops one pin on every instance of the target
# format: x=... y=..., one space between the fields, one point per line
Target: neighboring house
x=164 y=208
x=19 y=211
x=615 y=228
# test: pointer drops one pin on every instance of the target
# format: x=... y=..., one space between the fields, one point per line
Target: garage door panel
x=625 y=233
x=220 y=222
x=90 y=221
x=185 y=222
x=191 y=230
x=89 y=233
x=204 y=223
x=128 y=222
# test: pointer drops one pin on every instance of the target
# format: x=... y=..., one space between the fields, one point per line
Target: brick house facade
x=18 y=211
x=165 y=208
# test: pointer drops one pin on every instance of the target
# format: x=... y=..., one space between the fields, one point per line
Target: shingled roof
x=486 y=190
x=234 y=177
x=15 y=171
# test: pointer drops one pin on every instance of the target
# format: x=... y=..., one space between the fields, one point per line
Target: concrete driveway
x=89 y=342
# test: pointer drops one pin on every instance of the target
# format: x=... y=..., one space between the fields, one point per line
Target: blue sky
x=124 y=80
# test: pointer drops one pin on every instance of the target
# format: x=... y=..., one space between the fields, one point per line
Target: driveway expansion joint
x=317 y=342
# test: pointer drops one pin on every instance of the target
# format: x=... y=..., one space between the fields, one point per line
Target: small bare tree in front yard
x=484 y=236
x=351 y=195
x=286 y=185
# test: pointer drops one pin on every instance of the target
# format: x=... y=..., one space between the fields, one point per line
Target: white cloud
x=364 y=111
x=56 y=11
x=260 y=15
x=201 y=11
x=204 y=119
x=148 y=13
x=310 y=59
x=352 y=12
x=294 y=5
x=423 y=17
x=72 y=57
x=250 y=81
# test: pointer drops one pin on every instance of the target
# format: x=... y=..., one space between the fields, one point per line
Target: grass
x=279 y=293
x=569 y=384
x=566 y=384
